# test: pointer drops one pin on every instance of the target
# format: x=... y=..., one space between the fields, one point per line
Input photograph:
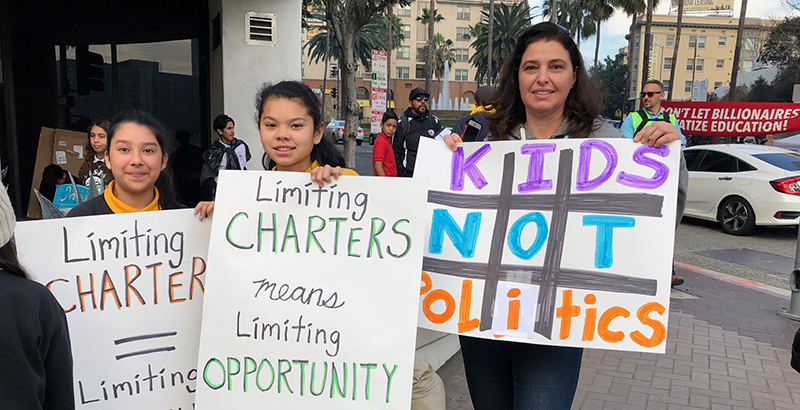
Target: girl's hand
x=323 y=175
x=451 y=140
x=657 y=134
x=204 y=209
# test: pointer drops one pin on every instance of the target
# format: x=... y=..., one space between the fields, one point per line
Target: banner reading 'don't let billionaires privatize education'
x=559 y=242
x=312 y=293
x=734 y=119
x=132 y=288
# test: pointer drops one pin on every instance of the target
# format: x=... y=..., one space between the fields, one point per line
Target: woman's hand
x=452 y=141
x=658 y=133
x=204 y=209
x=323 y=175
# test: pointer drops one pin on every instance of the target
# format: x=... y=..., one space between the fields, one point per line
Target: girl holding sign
x=543 y=92
x=137 y=156
x=290 y=125
x=95 y=163
x=34 y=341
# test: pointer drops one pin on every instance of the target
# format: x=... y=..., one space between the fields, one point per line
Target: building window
x=407 y=31
x=722 y=41
x=462 y=75
x=670 y=40
x=701 y=42
x=699 y=65
x=749 y=44
x=717 y=84
x=463 y=13
x=636 y=42
x=666 y=86
x=747 y=65
x=403 y=52
x=689 y=64
x=402 y=72
x=692 y=41
x=687 y=87
x=720 y=63
x=420 y=57
x=668 y=63
x=404 y=11
x=462 y=54
x=421 y=71
x=462 y=33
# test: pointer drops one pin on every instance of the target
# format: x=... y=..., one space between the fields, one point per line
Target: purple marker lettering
x=536 y=168
x=661 y=170
x=469 y=167
x=583 y=183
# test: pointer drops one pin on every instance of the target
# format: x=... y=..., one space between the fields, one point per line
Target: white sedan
x=743 y=185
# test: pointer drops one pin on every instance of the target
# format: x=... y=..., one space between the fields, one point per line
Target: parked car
x=335 y=129
x=743 y=185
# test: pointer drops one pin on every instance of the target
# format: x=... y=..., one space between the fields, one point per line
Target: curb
x=760 y=287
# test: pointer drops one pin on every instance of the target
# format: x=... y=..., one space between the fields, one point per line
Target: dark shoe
x=676 y=281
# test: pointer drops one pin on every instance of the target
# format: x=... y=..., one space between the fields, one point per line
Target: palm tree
x=647 y=41
x=675 y=48
x=736 y=53
x=601 y=10
x=575 y=16
x=426 y=16
x=371 y=36
x=509 y=23
x=443 y=50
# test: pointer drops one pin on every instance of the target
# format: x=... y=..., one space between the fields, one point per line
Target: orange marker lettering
x=465 y=324
x=172 y=286
x=659 y=331
x=129 y=285
x=591 y=318
x=154 y=267
x=449 y=302
x=513 y=310
x=82 y=294
x=605 y=320
x=108 y=287
x=195 y=276
x=566 y=312
x=50 y=284
x=426 y=283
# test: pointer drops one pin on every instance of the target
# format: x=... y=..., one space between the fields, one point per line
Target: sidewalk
x=726 y=350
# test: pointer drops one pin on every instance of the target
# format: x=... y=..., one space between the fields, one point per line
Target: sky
x=613 y=31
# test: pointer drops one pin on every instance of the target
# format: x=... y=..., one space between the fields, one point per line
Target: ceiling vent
x=260 y=29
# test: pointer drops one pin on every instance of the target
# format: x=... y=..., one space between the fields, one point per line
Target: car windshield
x=786 y=161
x=339 y=123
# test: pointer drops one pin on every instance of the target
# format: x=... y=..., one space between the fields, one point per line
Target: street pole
x=694 y=63
x=794 y=304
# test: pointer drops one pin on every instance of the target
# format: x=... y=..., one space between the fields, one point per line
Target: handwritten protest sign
x=312 y=293
x=564 y=242
x=734 y=119
x=132 y=287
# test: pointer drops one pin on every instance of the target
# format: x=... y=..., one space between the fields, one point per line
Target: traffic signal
x=334 y=92
x=334 y=71
x=89 y=70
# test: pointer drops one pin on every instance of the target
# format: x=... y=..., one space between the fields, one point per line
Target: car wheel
x=737 y=217
x=358 y=142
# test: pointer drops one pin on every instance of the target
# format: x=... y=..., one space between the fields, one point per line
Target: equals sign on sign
x=145 y=351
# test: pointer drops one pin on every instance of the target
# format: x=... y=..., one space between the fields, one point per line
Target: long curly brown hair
x=90 y=154
x=584 y=101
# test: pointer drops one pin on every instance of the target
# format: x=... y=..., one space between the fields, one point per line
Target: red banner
x=734 y=119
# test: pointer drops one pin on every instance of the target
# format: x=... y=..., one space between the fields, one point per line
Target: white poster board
x=558 y=242
x=312 y=293
x=132 y=287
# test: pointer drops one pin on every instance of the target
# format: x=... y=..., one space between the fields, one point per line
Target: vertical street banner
x=380 y=83
x=558 y=242
x=132 y=288
x=312 y=293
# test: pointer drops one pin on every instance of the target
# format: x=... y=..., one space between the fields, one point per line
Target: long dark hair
x=90 y=154
x=584 y=101
x=325 y=152
x=9 y=261
x=167 y=197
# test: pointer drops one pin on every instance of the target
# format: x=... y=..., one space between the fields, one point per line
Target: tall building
x=408 y=69
x=705 y=51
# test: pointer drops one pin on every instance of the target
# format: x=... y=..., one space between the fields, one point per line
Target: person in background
x=52 y=176
x=543 y=92
x=652 y=111
x=34 y=339
x=227 y=152
x=475 y=126
x=414 y=123
x=186 y=163
x=94 y=164
x=383 y=164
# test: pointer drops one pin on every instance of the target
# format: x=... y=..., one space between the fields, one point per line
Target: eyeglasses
x=650 y=94
x=421 y=98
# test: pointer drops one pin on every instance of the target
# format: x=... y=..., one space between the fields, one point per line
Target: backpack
x=646 y=118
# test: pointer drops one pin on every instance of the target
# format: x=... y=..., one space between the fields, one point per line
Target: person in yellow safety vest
x=652 y=93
